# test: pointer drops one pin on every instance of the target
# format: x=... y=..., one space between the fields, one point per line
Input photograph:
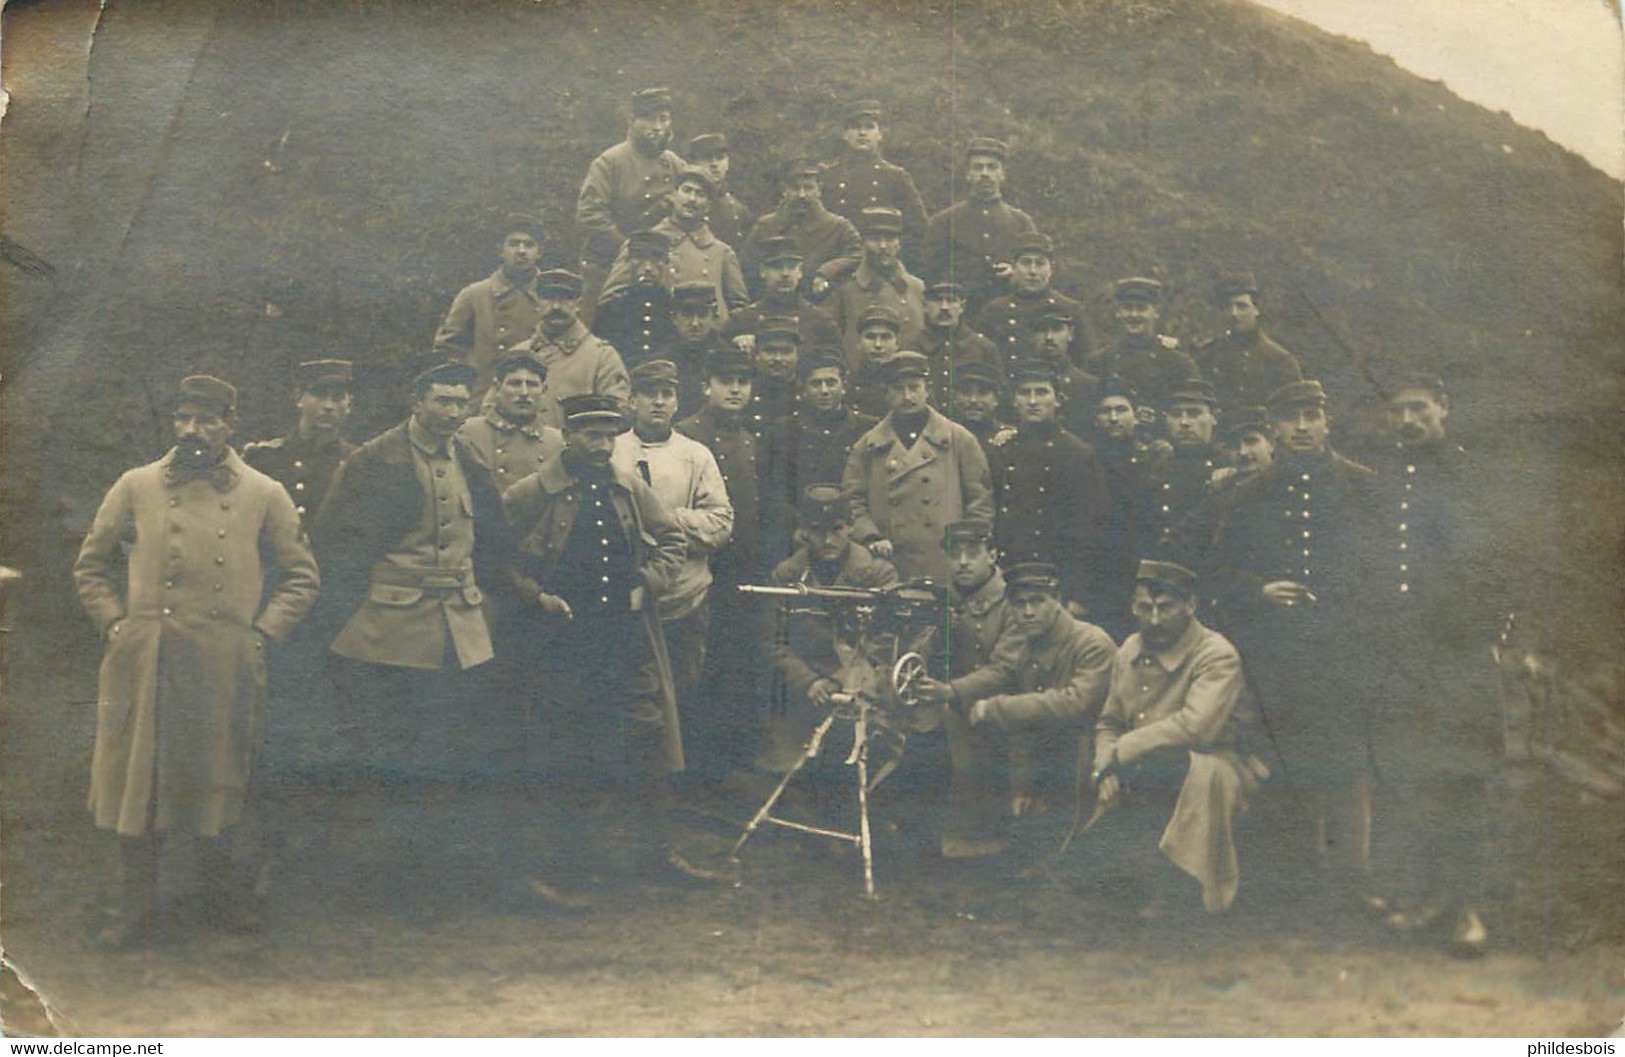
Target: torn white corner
x=14 y=1025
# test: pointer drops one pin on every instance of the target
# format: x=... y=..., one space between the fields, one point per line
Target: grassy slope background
x=250 y=184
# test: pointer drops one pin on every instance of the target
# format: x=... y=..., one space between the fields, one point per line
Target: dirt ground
x=398 y=913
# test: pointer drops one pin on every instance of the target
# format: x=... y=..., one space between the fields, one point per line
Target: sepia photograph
x=812 y=518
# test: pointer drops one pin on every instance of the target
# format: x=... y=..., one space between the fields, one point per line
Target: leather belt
x=423 y=579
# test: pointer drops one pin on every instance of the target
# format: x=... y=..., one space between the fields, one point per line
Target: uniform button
x=219 y=559
x=1404 y=546
x=221 y=533
x=1404 y=505
x=1402 y=526
x=219 y=587
x=169 y=583
x=299 y=510
x=1404 y=588
x=445 y=499
x=1305 y=477
x=1305 y=533
x=298 y=464
x=167 y=611
x=1404 y=568
x=605 y=579
x=215 y=613
x=440 y=472
x=1410 y=469
x=174 y=502
x=299 y=486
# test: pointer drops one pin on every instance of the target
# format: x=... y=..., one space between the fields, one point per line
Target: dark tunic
x=1173 y=489
x=966 y=240
x=949 y=350
x=1246 y=368
x=812 y=448
x=736 y=451
x=304 y=467
x=1124 y=464
x=1309 y=520
x=816 y=325
x=638 y=322
x=829 y=245
x=856 y=181
x=1050 y=496
x=1149 y=365
x=1007 y=321
x=730 y=219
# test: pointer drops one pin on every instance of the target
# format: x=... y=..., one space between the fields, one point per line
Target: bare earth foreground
x=414 y=919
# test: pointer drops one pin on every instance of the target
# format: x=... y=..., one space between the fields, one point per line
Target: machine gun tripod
x=882 y=639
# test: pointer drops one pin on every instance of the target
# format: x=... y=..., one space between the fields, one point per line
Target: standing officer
x=489 y=317
x=1167 y=750
x=880 y=280
x=860 y=178
x=1287 y=566
x=577 y=362
x=638 y=318
x=1151 y=363
x=1243 y=364
x=1007 y=320
x=829 y=245
x=948 y=342
x=693 y=253
x=1436 y=732
x=973 y=242
x=304 y=460
x=509 y=437
x=181 y=698
x=597 y=548
x=912 y=475
x=409 y=537
x=1048 y=487
x=729 y=218
x=626 y=189
x=1177 y=483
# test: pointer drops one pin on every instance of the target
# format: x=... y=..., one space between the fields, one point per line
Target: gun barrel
x=855 y=594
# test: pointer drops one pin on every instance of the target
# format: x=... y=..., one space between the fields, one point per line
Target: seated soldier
x=805 y=660
x=1166 y=748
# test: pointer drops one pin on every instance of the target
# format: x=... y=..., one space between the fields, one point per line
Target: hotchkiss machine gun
x=883 y=637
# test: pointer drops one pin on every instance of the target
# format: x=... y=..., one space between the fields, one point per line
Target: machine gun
x=883 y=637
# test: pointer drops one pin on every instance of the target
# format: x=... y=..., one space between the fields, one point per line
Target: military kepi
x=1137 y=289
x=448 y=373
x=558 y=282
x=1170 y=575
x=324 y=374
x=587 y=409
x=907 y=364
x=1308 y=393
x=654 y=374
x=969 y=530
x=1040 y=575
x=647 y=102
x=824 y=506
x=208 y=393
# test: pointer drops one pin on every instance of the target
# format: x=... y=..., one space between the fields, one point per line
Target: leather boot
x=134 y=914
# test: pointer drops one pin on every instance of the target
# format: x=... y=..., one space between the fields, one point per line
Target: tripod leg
x=814 y=744
x=863 y=819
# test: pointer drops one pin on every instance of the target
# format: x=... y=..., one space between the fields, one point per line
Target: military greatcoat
x=181 y=699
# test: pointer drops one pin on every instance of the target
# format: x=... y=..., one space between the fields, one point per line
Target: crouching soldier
x=1042 y=689
x=1166 y=746
x=805 y=659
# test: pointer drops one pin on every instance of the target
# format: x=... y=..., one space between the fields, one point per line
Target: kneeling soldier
x=1166 y=746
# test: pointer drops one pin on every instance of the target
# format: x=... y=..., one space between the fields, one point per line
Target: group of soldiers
x=1165 y=583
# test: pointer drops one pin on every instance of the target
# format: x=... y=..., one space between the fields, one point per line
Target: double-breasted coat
x=182 y=691
x=543 y=509
x=910 y=495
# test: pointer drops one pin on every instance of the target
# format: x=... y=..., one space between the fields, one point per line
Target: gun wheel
x=905 y=679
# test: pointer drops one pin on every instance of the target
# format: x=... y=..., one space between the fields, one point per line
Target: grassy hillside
x=256 y=183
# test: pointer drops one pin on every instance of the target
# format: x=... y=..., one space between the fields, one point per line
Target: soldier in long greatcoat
x=182 y=693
